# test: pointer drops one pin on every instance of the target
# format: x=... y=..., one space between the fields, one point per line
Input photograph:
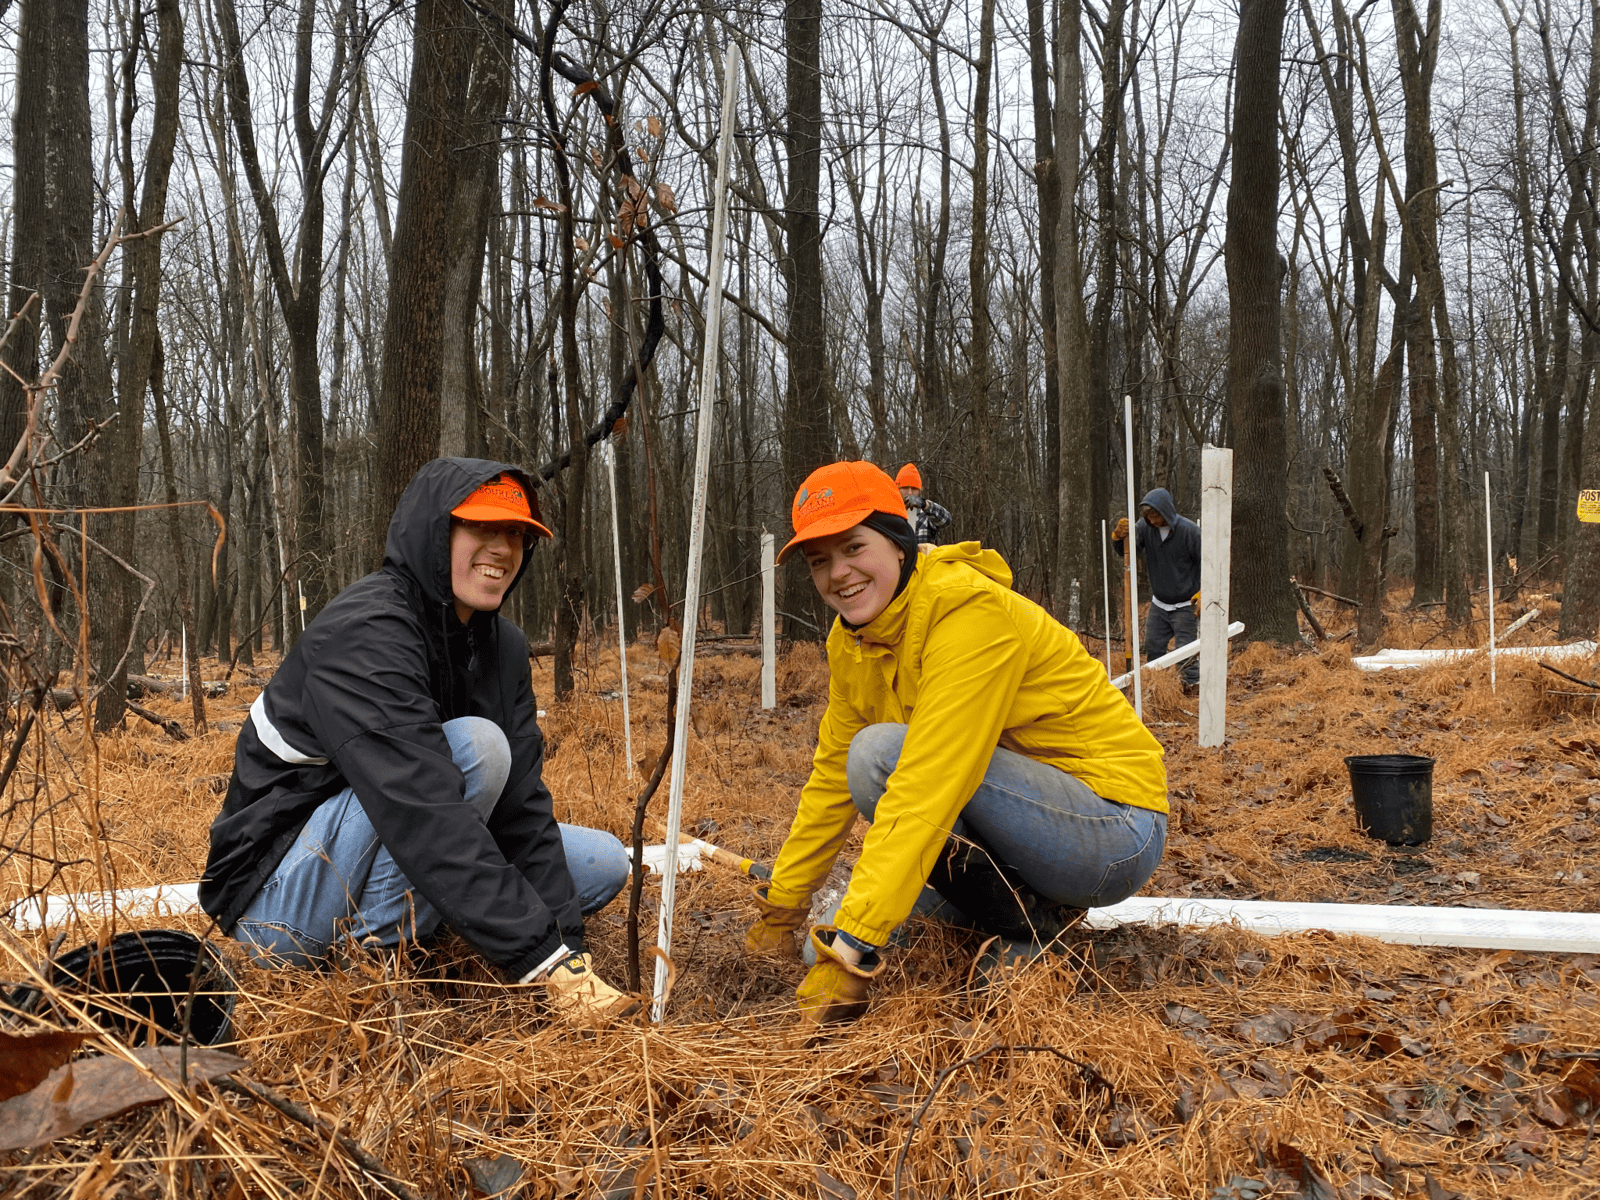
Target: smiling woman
x=1009 y=786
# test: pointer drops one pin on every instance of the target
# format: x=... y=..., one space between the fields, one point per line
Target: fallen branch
x=1332 y=596
x=1305 y=607
x=359 y=1154
x=1572 y=678
x=168 y=726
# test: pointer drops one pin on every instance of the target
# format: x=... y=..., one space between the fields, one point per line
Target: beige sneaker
x=577 y=993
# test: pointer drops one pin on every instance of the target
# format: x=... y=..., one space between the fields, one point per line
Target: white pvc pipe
x=704 y=421
x=1488 y=537
x=1411 y=660
x=161 y=900
x=1105 y=578
x=183 y=665
x=769 y=622
x=1493 y=929
x=1131 y=557
x=1172 y=657
x=622 y=627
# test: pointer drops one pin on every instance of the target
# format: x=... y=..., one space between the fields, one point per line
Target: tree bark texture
x=1261 y=596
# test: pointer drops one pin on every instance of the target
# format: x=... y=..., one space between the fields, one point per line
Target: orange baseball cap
x=909 y=476
x=503 y=498
x=840 y=496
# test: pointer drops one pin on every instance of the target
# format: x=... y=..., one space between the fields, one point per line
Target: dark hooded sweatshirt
x=1173 y=563
x=360 y=702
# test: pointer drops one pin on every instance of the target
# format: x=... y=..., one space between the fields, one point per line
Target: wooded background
x=1359 y=242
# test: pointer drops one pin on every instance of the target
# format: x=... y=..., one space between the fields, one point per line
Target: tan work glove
x=1120 y=533
x=834 y=990
x=1195 y=600
x=774 y=933
x=582 y=997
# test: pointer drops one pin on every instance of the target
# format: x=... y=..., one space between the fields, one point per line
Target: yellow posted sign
x=1589 y=506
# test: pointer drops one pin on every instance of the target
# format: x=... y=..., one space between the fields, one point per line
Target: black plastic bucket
x=1393 y=794
x=149 y=974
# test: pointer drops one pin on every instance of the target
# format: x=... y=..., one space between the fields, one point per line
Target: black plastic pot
x=147 y=977
x=1393 y=795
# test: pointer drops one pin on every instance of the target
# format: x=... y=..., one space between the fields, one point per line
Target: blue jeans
x=1068 y=844
x=1179 y=628
x=339 y=879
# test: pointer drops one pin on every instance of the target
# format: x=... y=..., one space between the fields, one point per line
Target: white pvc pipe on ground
x=1216 y=565
x=769 y=622
x=704 y=422
x=622 y=626
x=1411 y=660
x=1492 y=929
x=1173 y=657
x=1130 y=551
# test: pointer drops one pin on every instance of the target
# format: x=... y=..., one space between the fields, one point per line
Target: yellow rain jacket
x=968 y=665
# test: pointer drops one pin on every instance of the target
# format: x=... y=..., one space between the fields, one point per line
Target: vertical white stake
x=1216 y=559
x=298 y=587
x=622 y=627
x=1105 y=578
x=1488 y=537
x=769 y=622
x=183 y=687
x=702 y=471
x=1131 y=557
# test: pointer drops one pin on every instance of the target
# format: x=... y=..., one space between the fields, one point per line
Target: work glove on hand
x=582 y=997
x=774 y=933
x=834 y=990
x=1120 y=533
x=1195 y=600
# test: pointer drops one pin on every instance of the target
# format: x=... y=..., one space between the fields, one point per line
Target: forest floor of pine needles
x=1208 y=1064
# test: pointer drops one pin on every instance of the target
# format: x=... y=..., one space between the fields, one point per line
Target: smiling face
x=484 y=557
x=855 y=572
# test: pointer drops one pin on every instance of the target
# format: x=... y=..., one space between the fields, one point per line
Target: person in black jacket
x=389 y=777
x=1171 y=545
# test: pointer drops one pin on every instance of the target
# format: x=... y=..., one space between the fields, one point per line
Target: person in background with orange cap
x=992 y=756
x=927 y=518
x=389 y=778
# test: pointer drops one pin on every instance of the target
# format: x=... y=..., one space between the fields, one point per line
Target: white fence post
x=769 y=622
x=1216 y=556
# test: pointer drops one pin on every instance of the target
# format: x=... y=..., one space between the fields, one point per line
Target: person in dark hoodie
x=1171 y=545
x=389 y=777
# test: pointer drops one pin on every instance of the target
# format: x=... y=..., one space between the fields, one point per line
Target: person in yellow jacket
x=992 y=756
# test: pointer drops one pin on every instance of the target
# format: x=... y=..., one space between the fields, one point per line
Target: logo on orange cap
x=909 y=476
x=503 y=498
x=840 y=496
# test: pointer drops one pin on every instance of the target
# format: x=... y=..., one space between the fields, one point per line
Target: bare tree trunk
x=809 y=438
x=1260 y=591
x=1078 y=546
x=978 y=260
x=1047 y=174
x=413 y=333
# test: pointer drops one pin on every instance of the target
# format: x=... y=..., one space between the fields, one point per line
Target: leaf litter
x=1234 y=1065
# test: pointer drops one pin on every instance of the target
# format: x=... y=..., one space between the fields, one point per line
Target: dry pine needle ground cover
x=1210 y=1065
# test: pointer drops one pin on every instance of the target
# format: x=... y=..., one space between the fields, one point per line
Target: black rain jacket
x=361 y=701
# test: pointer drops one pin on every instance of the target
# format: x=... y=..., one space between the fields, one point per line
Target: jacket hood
x=418 y=544
x=1161 y=500
x=888 y=625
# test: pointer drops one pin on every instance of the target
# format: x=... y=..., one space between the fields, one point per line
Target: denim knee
x=479 y=747
x=873 y=755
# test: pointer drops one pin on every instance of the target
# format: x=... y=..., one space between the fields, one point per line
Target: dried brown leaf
x=104 y=1087
x=26 y=1061
x=653 y=124
x=668 y=646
